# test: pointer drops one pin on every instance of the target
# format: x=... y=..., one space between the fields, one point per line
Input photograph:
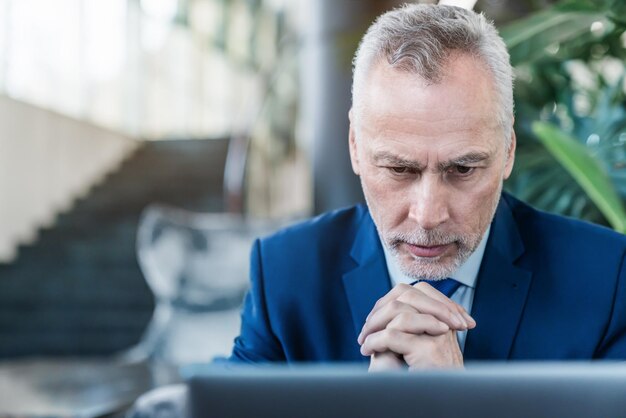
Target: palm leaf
x=586 y=170
x=528 y=38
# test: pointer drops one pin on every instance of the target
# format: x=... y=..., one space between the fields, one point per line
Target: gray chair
x=196 y=264
x=164 y=402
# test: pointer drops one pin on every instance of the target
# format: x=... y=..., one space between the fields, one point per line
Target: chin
x=432 y=268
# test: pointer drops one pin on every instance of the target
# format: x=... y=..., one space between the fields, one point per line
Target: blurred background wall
x=238 y=107
x=47 y=161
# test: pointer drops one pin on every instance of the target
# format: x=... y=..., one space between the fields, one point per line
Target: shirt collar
x=466 y=274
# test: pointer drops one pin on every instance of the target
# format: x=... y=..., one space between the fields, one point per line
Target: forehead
x=460 y=109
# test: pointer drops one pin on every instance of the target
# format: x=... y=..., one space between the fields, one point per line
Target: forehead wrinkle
x=428 y=128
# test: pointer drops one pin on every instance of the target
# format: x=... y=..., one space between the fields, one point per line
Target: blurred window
x=150 y=68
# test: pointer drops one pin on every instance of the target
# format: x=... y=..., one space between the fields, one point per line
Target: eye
x=462 y=170
x=399 y=170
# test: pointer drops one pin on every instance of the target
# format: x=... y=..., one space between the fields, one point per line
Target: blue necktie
x=445 y=286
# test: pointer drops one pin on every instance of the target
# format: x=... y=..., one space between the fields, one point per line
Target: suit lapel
x=501 y=291
x=369 y=280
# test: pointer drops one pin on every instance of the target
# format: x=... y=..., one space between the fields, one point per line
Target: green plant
x=569 y=62
x=586 y=170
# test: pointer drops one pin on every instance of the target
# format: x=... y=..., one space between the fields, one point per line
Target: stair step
x=79 y=289
x=65 y=344
x=63 y=320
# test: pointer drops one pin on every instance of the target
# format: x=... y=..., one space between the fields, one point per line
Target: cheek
x=375 y=191
x=375 y=184
x=473 y=207
x=386 y=201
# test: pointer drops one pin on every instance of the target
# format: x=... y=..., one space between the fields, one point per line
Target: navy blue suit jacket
x=549 y=288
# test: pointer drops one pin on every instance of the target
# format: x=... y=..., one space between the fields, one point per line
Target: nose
x=429 y=202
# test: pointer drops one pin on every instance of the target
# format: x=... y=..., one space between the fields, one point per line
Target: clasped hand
x=414 y=326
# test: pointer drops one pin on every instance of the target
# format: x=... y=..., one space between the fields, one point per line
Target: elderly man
x=441 y=266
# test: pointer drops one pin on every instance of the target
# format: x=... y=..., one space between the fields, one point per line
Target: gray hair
x=419 y=38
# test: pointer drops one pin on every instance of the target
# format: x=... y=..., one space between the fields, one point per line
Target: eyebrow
x=465 y=159
x=394 y=160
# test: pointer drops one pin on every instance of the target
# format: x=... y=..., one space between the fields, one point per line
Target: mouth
x=430 y=251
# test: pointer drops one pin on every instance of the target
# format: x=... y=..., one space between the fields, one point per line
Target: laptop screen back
x=520 y=390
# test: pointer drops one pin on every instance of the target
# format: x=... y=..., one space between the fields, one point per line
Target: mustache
x=425 y=238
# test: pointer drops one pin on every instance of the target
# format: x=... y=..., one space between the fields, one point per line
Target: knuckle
x=405 y=297
x=401 y=321
x=442 y=305
x=448 y=310
x=457 y=307
x=369 y=342
x=412 y=297
x=395 y=305
x=422 y=285
x=451 y=314
x=405 y=319
x=387 y=334
x=405 y=288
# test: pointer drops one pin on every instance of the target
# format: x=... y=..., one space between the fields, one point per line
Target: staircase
x=78 y=290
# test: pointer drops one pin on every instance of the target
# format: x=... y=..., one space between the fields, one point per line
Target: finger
x=381 y=318
x=413 y=348
x=442 y=310
x=471 y=322
x=435 y=352
x=380 y=362
x=388 y=340
x=429 y=290
x=435 y=294
x=378 y=320
x=416 y=323
x=391 y=295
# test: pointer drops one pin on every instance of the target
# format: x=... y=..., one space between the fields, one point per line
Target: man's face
x=432 y=160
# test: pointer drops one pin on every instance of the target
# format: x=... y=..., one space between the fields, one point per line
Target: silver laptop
x=481 y=390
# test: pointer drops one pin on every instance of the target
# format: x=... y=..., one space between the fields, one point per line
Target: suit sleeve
x=256 y=342
x=613 y=345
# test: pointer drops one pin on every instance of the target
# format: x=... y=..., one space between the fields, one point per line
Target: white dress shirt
x=466 y=274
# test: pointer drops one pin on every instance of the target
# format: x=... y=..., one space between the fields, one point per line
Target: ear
x=354 y=155
x=510 y=158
